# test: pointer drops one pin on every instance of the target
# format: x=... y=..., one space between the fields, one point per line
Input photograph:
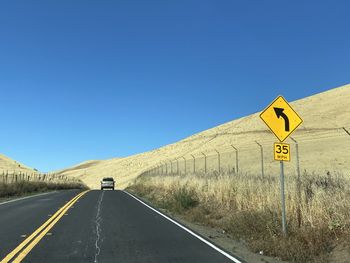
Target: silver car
x=107 y=182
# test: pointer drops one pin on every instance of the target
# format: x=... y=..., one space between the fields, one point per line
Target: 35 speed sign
x=282 y=152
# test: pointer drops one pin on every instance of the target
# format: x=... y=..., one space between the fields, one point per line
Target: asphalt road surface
x=97 y=226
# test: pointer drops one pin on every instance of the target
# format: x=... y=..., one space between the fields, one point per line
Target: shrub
x=185 y=198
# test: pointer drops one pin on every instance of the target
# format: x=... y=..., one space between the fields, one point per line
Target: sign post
x=282 y=120
x=284 y=219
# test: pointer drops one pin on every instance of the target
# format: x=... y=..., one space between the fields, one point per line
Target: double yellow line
x=22 y=250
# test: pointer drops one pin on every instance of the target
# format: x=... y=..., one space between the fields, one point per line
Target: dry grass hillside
x=323 y=145
x=12 y=166
x=17 y=179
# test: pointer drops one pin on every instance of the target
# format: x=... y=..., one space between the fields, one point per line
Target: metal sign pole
x=284 y=224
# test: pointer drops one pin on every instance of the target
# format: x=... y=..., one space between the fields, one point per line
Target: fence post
x=183 y=157
x=236 y=150
x=177 y=166
x=205 y=163
x=171 y=166
x=298 y=181
x=194 y=164
x=262 y=158
x=219 y=164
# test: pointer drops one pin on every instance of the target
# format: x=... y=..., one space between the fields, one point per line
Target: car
x=107 y=182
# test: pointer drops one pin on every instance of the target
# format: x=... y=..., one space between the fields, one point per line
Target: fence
x=320 y=159
x=8 y=177
x=317 y=150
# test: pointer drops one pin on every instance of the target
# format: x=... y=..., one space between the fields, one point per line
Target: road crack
x=98 y=228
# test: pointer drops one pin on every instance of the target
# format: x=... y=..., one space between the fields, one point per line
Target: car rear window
x=108 y=179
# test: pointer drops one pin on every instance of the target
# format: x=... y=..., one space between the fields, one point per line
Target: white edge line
x=27 y=197
x=188 y=230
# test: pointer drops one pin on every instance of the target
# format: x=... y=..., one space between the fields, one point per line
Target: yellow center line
x=48 y=223
x=28 y=239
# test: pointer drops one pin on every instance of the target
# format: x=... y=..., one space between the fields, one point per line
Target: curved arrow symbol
x=279 y=113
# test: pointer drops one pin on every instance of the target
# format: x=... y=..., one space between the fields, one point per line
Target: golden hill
x=323 y=144
x=12 y=166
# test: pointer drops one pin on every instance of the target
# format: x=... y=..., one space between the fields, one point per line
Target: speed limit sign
x=282 y=152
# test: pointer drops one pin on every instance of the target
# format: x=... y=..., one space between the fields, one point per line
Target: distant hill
x=80 y=166
x=9 y=165
x=324 y=144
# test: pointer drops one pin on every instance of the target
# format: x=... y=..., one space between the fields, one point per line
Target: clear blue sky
x=86 y=79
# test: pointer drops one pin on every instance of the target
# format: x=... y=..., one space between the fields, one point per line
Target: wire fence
x=9 y=177
x=317 y=150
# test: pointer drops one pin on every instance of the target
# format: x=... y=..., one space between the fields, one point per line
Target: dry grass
x=25 y=187
x=248 y=207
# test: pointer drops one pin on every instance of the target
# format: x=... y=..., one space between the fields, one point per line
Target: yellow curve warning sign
x=281 y=118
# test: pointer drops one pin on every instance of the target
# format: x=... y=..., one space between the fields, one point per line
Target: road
x=96 y=226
